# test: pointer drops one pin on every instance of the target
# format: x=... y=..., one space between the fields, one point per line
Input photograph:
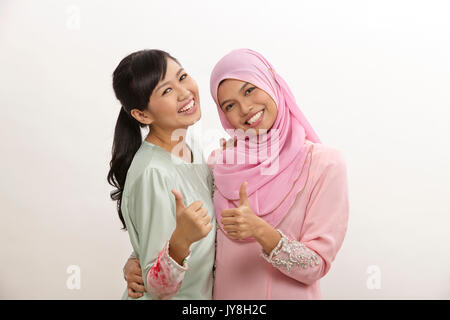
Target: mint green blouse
x=148 y=207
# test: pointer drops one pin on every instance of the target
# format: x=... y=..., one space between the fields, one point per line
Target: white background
x=372 y=77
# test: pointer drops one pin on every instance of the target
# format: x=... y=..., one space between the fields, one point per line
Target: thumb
x=243 y=199
x=178 y=200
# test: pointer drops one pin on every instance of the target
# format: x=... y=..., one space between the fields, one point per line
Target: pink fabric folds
x=270 y=195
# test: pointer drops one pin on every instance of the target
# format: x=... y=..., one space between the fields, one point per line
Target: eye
x=248 y=91
x=166 y=91
x=228 y=107
x=184 y=76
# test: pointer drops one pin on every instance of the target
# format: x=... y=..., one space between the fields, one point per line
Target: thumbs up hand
x=193 y=222
x=241 y=222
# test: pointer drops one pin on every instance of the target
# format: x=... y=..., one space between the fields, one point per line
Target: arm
x=132 y=274
x=150 y=225
x=309 y=259
x=163 y=229
x=165 y=264
x=165 y=276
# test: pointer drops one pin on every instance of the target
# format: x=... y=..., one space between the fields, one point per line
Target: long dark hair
x=134 y=80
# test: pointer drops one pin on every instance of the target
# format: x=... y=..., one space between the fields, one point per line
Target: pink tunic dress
x=312 y=233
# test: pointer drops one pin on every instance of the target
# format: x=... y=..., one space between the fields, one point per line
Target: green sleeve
x=151 y=217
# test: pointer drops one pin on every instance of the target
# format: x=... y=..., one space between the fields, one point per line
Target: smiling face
x=174 y=103
x=246 y=106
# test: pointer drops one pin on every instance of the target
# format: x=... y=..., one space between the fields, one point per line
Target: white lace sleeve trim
x=289 y=253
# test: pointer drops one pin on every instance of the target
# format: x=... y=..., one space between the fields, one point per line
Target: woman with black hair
x=278 y=236
x=163 y=186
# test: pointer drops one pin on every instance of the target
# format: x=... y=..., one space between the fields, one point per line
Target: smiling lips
x=187 y=107
x=255 y=119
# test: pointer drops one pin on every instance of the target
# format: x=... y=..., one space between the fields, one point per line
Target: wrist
x=179 y=247
x=180 y=240
x=261 y=230
x=267 y=236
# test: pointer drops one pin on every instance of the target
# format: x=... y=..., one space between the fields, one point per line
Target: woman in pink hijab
x=281 y=196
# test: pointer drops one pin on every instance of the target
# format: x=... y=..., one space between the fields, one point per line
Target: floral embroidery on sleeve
x=165 y=277
x=289 y=253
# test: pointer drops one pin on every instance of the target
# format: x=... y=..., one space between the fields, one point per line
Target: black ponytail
x=134 y=80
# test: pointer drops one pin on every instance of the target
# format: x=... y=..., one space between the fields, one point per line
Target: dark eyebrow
x=165 y=83
x=242 y=88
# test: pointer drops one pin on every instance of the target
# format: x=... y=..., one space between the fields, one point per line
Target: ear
x=142 y=116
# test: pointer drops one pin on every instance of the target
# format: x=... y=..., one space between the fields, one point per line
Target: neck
x=163 y=139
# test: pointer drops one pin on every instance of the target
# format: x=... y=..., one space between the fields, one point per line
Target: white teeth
x=189 y=106
x=255 y=117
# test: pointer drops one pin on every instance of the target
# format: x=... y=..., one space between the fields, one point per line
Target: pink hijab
x=270 y=195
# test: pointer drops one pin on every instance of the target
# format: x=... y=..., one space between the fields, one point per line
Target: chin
x=196 y=119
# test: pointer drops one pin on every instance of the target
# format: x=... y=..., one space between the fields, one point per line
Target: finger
x=202 y=212
x=136 y=287
x=133 y=294
x=243 y=199
x=228 y=213
x=206 y=220
x=226 y=221
x=137 y=277
x=233 y=235
x=206 y=229
x=196 y=205
x=178 y=199
x=231 y=228
x=238 y=235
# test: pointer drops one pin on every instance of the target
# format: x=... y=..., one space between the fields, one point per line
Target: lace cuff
x=288 y=253
x=166 y=275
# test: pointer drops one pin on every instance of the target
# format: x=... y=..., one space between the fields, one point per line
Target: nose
x=246 y=108
x=183 y=93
